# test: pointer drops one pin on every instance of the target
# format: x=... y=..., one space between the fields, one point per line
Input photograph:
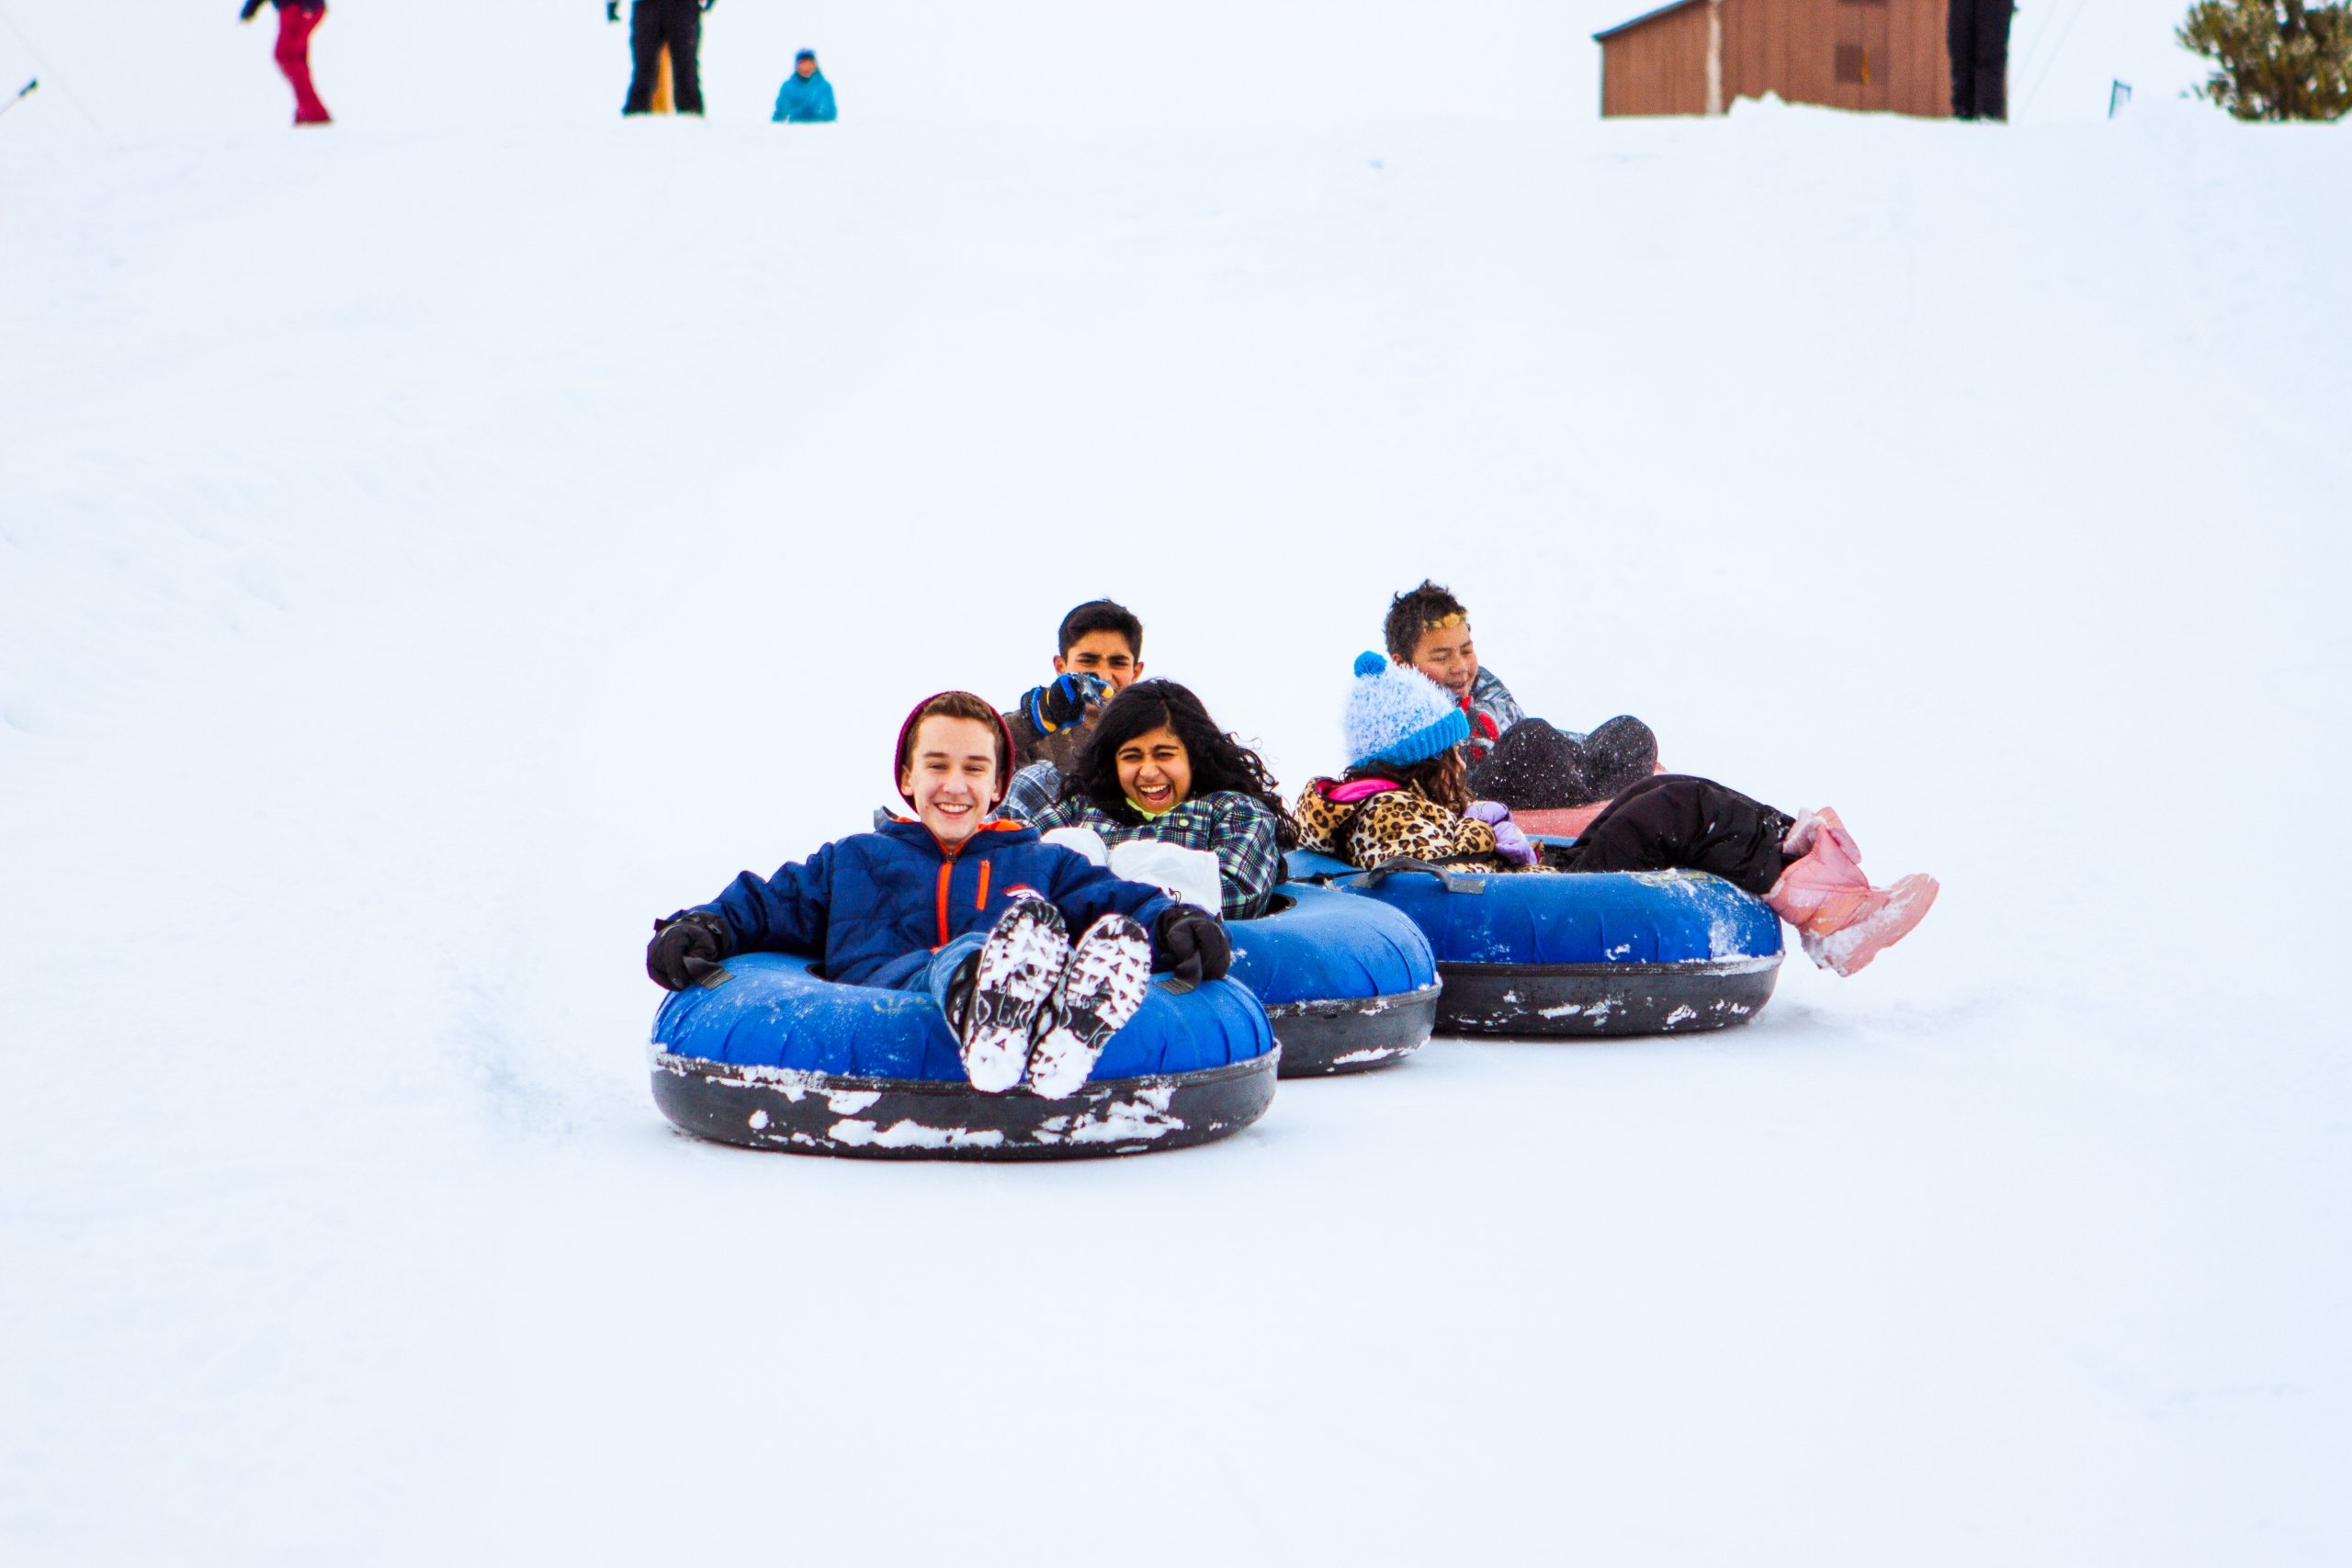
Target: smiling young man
x=974 y=911
x=1429 y=629
x=1525 y=763
x=1101 y=655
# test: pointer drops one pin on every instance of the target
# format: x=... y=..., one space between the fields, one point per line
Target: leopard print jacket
x=1398 y=822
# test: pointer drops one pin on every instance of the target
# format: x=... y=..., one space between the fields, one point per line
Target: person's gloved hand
x=1491 y=812
x=684 y=948
x=1515 y=845
x=707 y=5
x=1065 y=702
x=1194 y=945
x=253 y=8
x=612 y=10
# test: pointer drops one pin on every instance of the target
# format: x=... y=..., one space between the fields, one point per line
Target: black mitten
x=686 y=947
x=1193 y=944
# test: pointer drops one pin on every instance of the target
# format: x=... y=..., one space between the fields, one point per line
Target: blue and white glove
x=1065 y=702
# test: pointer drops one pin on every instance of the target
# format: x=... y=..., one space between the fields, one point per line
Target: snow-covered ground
x=433 y=548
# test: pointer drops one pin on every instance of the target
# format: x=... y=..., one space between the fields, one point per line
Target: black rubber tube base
x=1603 y=998
x=1319 y=1039
x=821 y=1113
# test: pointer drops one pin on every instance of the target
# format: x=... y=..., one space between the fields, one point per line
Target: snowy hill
x=435 y=547
x=138 y=67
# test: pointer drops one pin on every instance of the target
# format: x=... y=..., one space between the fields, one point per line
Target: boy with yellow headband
x=1525 y=763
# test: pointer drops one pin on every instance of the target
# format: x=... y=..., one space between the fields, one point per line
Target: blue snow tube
x=769 y=1056
x=1604 y=952
x=1348 y=983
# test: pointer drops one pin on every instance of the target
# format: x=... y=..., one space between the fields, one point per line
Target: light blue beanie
x=1397 y=715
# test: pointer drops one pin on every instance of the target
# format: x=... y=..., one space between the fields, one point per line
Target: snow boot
x=1888 y=920
x=1102 y=989
x=1843 y=921
x=1810 y=825
x=1824 y=882
x=1018 y=967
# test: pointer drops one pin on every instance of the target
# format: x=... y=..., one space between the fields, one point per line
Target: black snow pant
x=1535 y=767
x=1675 y=820
x=677 y=23
x=1976 y=34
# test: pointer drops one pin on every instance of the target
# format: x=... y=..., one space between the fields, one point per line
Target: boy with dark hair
x=1523 y=762
x=1101 y=645
x=1429 y=628
x=977 y=912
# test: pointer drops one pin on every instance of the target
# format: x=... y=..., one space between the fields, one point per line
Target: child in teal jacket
x=806 y=96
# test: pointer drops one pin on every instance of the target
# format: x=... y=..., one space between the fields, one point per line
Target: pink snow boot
x=1891 y=914
x=1843 y=921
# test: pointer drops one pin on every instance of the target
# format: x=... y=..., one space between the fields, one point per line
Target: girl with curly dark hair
x=1155 y=766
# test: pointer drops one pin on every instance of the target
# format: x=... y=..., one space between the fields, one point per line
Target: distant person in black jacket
x=653 y=25
x=297 y=20
x=1976 y=34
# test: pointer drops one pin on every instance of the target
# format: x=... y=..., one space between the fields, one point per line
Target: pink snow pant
x=295 y=26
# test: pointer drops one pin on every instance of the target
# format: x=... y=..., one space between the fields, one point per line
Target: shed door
x=1862 y=68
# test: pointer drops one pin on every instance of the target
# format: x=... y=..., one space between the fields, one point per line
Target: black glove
x=686 y=947
x=251 y=7
x=1064 y=702
x=707 y=5
x=612 y=10
x=1193 y=944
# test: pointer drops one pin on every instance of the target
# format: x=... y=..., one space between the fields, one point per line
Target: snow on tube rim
x=1348 y=984
x=1333 y=1005
x=774 y=1010
x=1714 y=959
x=795 y=1110
x=1355 y=1035
x=769 y=1055
x=1553 y=999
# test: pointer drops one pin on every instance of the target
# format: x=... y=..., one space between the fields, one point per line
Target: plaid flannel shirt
x=1238 y=829
x=1033 y=790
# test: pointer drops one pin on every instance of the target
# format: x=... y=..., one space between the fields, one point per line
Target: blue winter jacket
x=874 y=906
x=799 y=100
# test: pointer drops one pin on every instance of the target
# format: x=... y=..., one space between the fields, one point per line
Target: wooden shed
x=1696 y=56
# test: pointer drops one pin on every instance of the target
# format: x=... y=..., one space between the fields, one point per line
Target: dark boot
x=1619 y=755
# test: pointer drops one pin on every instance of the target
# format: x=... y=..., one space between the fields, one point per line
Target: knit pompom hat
x=1397 y=715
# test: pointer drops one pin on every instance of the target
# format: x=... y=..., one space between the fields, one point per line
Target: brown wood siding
x=1788 y=47
x=1922 y=81
x=1660 y=67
